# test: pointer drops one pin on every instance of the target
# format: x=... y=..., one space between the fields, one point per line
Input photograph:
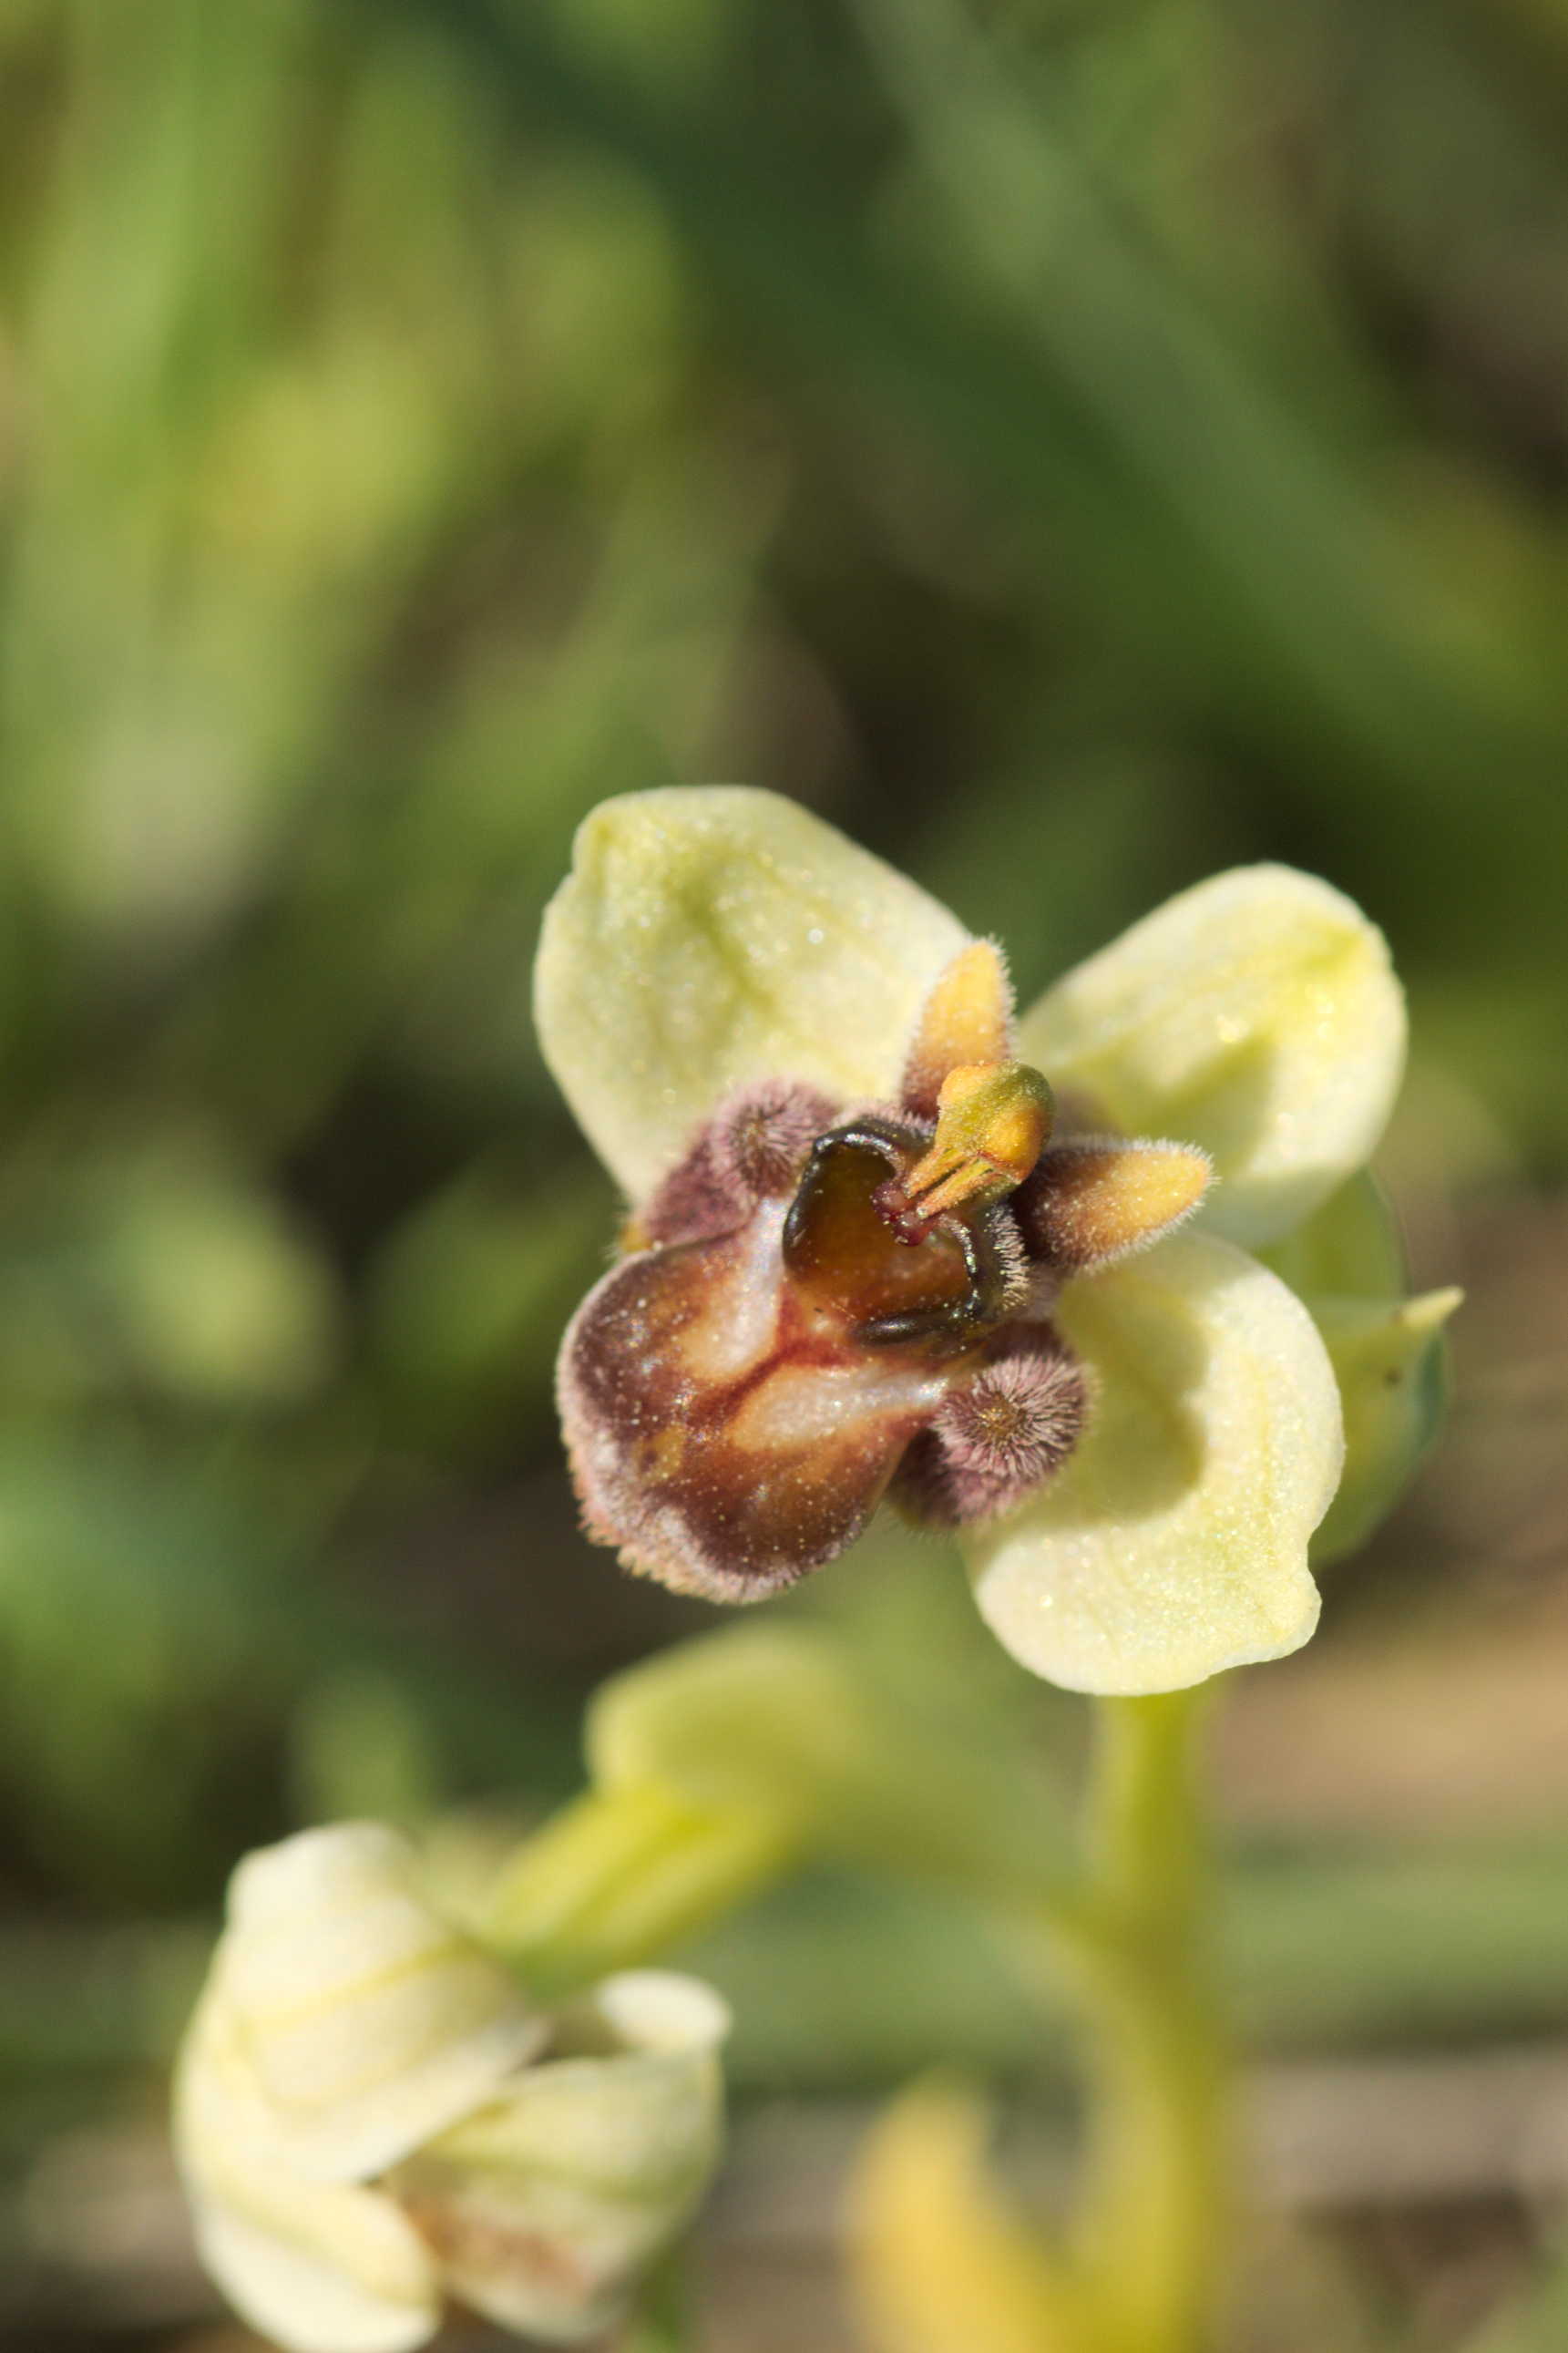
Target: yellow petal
x=1093 y=1202
x=967 y=1018
x=708 y=936
x=940 y=2264
x=319 y=2267
x=1257 y=1015
x=1174 y=1542
x=545 y=2206
x=367 y=2021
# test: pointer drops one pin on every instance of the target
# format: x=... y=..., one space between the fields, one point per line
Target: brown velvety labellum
x=726 y=1435
x=817 y=1313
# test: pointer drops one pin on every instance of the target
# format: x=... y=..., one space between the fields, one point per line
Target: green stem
x=622 y=1875
x=1154 y=2213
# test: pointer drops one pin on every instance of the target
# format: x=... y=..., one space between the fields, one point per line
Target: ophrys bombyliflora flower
x=888 y=1240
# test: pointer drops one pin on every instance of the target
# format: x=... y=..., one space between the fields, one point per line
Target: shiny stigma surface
x=827 y=1306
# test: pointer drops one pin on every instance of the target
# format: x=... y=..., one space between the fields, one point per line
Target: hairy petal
x=1257 y=1016
x=1092 y=1201
x=709 y=936
x=967 y=1018
x=1172 y=1543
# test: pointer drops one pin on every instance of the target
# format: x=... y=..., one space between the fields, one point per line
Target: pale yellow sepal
x=546 y=2206
x=317 y=2267
x=368 y=2021
x=1256 y=1015
x=940 y=2264
x=1173 y=1543
x=711 y=935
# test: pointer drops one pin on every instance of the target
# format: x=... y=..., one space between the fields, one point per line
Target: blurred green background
x=1075 y=445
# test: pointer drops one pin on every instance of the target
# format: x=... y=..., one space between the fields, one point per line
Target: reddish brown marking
x=754 y=1146
x=673 y=1456
x=471 y=2242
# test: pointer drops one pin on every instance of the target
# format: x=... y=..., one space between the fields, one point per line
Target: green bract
x=1388 y=1352
x=712 y=938
x=776 y=1723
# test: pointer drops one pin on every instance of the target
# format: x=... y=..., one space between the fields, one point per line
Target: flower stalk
x=624 y=1874
x=1153 y=2220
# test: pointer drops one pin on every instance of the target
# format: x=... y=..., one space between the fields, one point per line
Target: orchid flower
x=370 y=2115
x=889 y=1242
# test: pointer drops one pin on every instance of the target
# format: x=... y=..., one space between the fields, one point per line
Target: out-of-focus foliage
x=1076 y=447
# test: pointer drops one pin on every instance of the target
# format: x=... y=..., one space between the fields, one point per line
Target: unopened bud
x=545 y=2207
x=369 y=2113
x=369 y=2023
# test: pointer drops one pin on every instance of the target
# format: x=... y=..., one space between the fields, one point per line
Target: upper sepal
x=710 y=936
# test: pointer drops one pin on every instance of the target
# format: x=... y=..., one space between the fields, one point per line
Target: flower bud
x=360 y=2127
x=367 y=2022
x=544 y=2207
